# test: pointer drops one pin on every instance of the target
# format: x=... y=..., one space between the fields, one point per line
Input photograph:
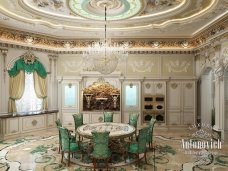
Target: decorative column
x=219 y=68
x=4 y=55
x=3 y=74
x=52 y=88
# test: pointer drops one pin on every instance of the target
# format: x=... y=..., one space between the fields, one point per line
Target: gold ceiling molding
x=212 y=31
x=26 y=40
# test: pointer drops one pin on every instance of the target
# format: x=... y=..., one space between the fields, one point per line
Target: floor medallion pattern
x=38 y=153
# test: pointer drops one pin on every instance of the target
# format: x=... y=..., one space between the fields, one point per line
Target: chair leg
x=125 y=157
x=59 y=149
x=68 y=158
x=138 y=158
x=94 y=164
x=145 y=158
x=62 y=156
x=107 y=163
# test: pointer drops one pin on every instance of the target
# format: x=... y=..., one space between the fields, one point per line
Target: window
x=29 y=101
x=131 y=95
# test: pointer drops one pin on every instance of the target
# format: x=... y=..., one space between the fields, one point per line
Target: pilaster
x=220 y=63
x=52 y=86
x=3 y=75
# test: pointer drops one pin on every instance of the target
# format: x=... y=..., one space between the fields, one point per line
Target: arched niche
x=206 y=93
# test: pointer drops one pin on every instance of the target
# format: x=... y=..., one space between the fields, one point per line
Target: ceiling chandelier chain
x=105 y=55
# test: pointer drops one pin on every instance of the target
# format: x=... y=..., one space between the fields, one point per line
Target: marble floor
x=40 y=152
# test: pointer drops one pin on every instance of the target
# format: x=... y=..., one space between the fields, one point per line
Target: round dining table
x=117 y=130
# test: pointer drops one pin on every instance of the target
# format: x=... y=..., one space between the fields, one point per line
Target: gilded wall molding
x=26 y=40
x=213 y=31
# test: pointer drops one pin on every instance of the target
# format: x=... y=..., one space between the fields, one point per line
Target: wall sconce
x=131 y=85
x=114 y=98
x=88 y=99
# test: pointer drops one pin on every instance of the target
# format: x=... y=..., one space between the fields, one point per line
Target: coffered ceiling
x=71 y=19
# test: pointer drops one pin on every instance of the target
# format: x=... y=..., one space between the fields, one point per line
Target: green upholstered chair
x=66 y=144
x=78 y=121
x=59 y=124
x=101 y=150
x=108 y=116
x=150 y=133
x=133 y=120
x=139 y=146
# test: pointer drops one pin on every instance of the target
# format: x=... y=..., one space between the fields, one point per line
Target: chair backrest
x=100 y=143
x=142 y=139
x=133 y=119
x=78 y=120
x=65 y=138
x=58 y=123
x=108 y=116
x=152 y=122
x=150 y=133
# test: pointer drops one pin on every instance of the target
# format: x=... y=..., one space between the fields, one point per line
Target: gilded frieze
x=211 y=35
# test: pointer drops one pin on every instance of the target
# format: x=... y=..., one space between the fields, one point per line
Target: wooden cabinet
x=69 y=98
x=153 y=101
x=15 y=126
x=33 y=122
x=131 y=99
x=12 y=126
x=50 y=120
x=154 y=87
x=181 y=103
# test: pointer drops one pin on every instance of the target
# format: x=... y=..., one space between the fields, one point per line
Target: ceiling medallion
x=117 y=9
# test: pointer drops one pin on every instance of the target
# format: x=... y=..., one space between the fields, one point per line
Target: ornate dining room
x=119 y=85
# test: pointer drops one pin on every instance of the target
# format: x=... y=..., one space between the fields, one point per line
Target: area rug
x=36 y=153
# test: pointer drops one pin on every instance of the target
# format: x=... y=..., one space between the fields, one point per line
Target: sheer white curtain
x=29 y=101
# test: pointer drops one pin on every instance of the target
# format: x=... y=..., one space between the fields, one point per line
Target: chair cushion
x=133 y=148
x=74 y=147
x=102 y=155
x=72 y=139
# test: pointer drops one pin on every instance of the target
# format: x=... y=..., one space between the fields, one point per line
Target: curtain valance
x=28 y=68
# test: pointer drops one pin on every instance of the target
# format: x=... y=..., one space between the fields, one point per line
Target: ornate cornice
x=26 y=40
x=213 y=33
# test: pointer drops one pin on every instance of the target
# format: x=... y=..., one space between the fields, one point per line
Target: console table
x=13 y=125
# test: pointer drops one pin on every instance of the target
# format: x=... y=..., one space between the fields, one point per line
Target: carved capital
x=4 y=51
x=219 y=68
x=52 y=57
x=217 y=47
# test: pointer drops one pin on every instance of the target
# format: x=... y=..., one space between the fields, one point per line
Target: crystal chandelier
x=106 y=54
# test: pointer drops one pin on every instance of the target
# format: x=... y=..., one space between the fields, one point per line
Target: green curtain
x=17 y=81
x=28 y=68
